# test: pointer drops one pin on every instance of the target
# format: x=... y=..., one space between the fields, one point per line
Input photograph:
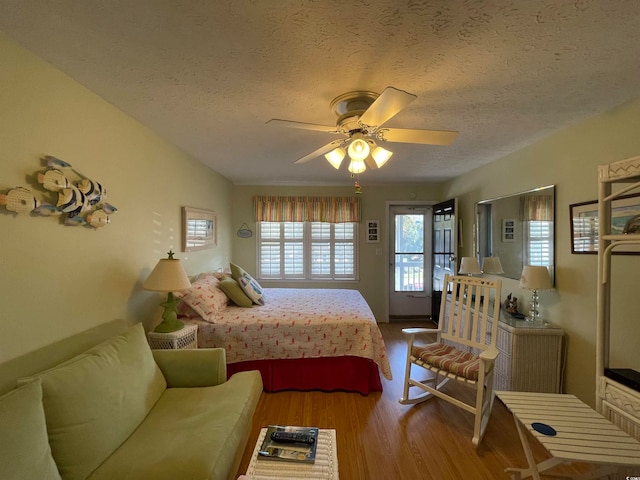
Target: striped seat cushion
x=447 y=357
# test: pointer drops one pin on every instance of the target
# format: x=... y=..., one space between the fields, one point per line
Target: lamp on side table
x=168 y=276
x=535 y=278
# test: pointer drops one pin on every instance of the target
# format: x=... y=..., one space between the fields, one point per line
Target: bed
x=301 y=339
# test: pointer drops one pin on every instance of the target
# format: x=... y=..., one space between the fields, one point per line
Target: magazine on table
x=298 y=447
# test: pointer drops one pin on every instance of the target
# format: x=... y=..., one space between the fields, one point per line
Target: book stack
x=290 y=450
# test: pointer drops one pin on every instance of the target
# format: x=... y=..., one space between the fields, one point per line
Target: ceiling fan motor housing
x=349 y=107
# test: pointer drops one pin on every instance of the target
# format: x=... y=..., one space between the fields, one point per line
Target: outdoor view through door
x=410 y=259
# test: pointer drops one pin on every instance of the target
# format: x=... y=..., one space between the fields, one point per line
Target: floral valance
x=537 y=207
x=307 y=209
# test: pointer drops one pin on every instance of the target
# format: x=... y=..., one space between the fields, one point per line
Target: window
x=307 y=250
x=540 y=244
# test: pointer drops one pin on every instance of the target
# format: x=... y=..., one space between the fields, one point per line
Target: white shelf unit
x=617 y=402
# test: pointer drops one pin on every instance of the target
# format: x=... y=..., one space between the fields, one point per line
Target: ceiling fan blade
x=425 y=137
x=321 y=151
x=389 y=103
x=306 y=126
x=371 y=163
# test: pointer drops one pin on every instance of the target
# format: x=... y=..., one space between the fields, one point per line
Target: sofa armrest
x=198 y=367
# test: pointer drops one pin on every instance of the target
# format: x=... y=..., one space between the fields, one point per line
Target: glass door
x=445 y=251
x=410 y=245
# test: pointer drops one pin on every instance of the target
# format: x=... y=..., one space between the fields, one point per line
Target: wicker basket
x=185 y=338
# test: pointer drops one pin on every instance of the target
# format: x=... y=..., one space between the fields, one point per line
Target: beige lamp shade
x=492 y=265
x=469 y=266
x=167 y=276
x=359 y=148
x=335 y=157
x=381 y=156
x=535 y=278
x=357 y=166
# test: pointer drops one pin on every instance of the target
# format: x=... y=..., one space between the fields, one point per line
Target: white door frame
x=389 y=204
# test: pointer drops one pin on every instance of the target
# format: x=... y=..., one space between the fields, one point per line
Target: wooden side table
x=571 y=432
x=187 y=337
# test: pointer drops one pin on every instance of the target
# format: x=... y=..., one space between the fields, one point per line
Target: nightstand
x=186 y=337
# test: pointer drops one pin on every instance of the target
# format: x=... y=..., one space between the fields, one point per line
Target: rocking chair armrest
x=417 y=331
x=489 y=354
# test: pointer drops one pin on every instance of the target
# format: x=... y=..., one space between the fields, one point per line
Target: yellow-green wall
x=56 y=281
x=569 y=159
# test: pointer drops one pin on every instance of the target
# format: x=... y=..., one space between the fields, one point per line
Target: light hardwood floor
x=380 y=439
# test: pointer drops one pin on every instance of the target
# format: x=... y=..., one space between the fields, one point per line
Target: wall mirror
x=519 y=229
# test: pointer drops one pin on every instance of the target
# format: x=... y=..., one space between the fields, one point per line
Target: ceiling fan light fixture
x=357 y=166
x=381 y=156
x=359 y=148
x=335 y=157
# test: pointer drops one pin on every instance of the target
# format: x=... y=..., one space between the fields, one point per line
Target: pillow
x=24 y=446
x=204 y=298
x=216 y=274
x=236 y=272
x=185 y=311
x=235 y=292
x=252 y=288
x=94 y=401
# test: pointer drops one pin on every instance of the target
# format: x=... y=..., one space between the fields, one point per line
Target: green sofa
x=123 y=411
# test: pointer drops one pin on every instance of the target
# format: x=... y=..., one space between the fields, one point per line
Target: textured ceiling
x=207 y=74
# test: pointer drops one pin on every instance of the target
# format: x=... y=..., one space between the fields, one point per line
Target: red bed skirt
x=351 y=374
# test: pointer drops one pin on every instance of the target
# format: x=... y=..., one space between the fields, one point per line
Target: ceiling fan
x=361 y=115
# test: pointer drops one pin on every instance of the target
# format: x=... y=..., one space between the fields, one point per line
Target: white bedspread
x=298 y=323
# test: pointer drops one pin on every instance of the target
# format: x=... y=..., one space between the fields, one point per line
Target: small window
x=307 y=250
x=540 y=250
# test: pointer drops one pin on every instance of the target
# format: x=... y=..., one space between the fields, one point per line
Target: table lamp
x=535 y=278
x=492 y=266
x=168 y=276
x=469 y=266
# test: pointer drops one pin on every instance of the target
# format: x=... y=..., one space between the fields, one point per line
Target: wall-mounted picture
x=508 y=230
x=373 y=231
x=584 y=224
x=198 y=229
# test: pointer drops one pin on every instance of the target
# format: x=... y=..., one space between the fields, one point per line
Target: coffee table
x=325 y=467
x=570 y=431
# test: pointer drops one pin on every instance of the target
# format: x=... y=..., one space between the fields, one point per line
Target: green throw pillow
x=24 y=446
x=235 y=292
x=236 y=271
x=94 y=401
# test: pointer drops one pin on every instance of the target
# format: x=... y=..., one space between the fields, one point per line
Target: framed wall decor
x=584 y=224
x=508 y=230
x=199 y=229
x=373 y=231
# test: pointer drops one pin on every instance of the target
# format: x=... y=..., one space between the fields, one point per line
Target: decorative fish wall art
x=78 y=201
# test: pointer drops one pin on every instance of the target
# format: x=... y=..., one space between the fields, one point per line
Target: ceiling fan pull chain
x=356 y=184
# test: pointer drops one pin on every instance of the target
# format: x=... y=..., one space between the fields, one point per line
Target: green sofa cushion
x=24 y=447
x=94 y=401
x=195 y=433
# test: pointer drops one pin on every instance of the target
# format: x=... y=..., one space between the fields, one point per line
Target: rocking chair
x=465 y=348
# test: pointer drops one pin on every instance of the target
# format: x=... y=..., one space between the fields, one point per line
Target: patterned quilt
x=298 y=323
